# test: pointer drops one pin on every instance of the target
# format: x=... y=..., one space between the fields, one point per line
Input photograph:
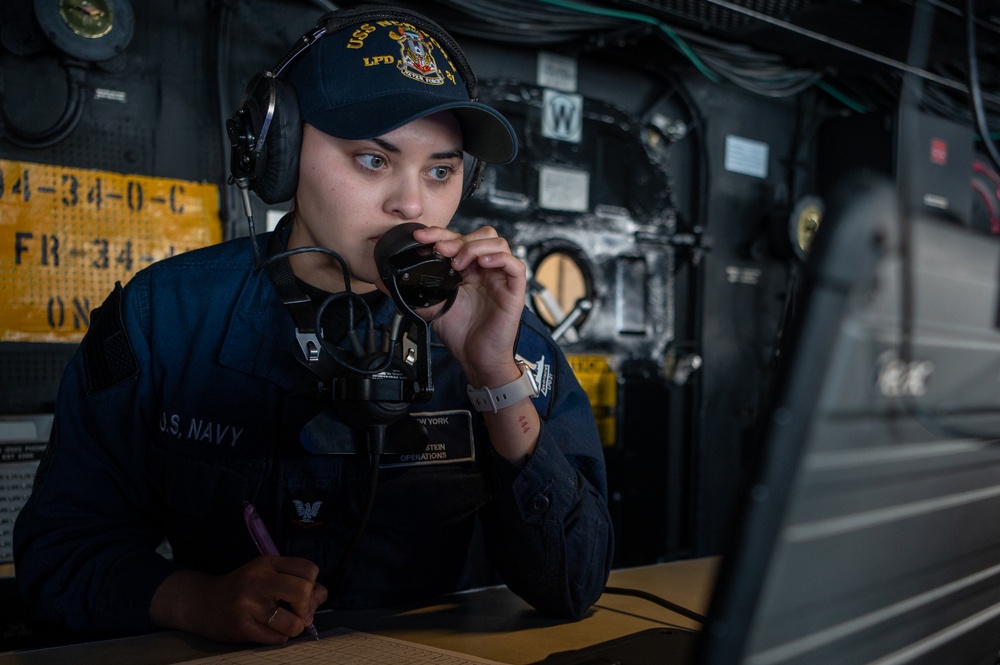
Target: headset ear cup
x=277 y=173
x=245 y=126
x=472 y=175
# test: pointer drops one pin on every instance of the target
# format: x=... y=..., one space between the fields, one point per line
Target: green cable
x=667 y=30
x=685 y=49
x=857 y=107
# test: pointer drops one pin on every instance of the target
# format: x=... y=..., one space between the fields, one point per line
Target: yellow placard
x=599 y=379
x=68 y=234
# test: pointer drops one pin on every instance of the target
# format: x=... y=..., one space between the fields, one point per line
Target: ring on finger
x=273 y=614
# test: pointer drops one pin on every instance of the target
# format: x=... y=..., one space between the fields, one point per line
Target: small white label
x=746 y=156
x=563 y=189
x=556 y=71
x=110 y=95
x=562 y=116
x=18 y=431
x=936 y=201
x=741 y=275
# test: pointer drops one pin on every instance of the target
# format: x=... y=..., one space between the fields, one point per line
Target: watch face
x=531 y=378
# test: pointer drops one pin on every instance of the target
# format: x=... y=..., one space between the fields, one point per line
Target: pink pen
x=265 y=544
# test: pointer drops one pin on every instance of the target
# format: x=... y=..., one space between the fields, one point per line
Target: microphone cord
x=376 y=443
x=663 y=602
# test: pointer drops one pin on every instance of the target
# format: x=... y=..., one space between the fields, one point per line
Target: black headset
x=266 y=131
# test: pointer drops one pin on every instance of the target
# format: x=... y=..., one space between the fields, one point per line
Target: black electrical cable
x=303 y=250
x=352 y=336
x=674 y=607
x=223 y=20
x=351 y=298
x=552 y=22
x=808 y=120
x=762 y=73
x=325 y=5
x=535 y=19
x=775 y=85
x=975 y=92
x=518 y=22
x=376 y=444
x=61 y=128
x=951 y=104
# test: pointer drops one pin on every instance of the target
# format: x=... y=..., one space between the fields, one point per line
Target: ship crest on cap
x=416 y=59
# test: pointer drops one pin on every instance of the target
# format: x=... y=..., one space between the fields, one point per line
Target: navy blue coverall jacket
x=187 y=397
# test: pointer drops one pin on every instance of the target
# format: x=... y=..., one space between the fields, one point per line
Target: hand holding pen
x=266 y=546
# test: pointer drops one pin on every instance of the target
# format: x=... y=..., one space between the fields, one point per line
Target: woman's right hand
x=268 y=601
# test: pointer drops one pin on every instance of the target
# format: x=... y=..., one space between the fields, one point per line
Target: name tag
x=449 y=440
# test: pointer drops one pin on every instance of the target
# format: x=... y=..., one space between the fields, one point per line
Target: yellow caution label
x=599 y=379
x=68 y=234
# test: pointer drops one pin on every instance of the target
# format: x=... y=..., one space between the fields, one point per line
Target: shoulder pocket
x=107 y=353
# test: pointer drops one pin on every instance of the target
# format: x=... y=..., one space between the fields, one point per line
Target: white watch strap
x=494 y=399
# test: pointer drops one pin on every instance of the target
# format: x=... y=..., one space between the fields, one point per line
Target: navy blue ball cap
x=374 y=76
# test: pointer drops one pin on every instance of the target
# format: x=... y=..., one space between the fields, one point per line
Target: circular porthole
x=561 y=282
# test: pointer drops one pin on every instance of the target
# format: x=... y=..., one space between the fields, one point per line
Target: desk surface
x=479 y=623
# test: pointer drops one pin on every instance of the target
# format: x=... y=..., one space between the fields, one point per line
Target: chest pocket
x=201 y=489
x=430 y=486
x=431 y=475
x=440 y=484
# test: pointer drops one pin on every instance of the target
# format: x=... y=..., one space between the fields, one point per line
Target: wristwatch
x=494 y=399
